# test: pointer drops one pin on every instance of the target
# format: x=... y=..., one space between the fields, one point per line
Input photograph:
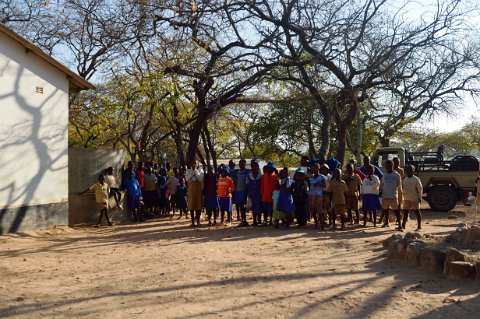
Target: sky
x=454 y=120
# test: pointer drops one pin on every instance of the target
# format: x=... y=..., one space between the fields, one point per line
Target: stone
x=456 y=236
x=412 y=253
x=432 y=259
x=401 y=249
x=413 y=235
x=392 y=249
x=460 y=270
x=470 y=235
x=386 y=242
x=452 y=254
x=477 y=269
x=452 y=217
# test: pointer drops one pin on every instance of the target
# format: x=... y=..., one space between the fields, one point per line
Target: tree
x=357 y=48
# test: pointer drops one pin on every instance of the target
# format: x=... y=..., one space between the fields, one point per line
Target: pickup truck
x=445 y=182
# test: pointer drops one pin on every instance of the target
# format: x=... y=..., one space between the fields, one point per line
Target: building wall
x=33 y=140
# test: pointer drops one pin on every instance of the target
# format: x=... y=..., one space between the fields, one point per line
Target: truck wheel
x=442 y=198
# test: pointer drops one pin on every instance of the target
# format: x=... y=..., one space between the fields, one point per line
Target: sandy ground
x=163 y=269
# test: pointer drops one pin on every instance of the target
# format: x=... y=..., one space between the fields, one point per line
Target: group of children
x=319 y=191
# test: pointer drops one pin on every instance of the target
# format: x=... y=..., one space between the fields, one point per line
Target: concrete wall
x=33 y=139
x=84 y=167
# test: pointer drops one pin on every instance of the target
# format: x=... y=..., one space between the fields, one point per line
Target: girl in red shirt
x=224 y=191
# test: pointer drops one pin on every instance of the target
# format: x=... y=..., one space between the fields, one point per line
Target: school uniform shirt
x=150 y=182
x=354 y=183
x=225 y=187
x=111 y=181
x=327 y=182
x=412 y=189
x=390 y=183
x=338 y=188
x=267 y=185
x=101 y=192
x=317 y=190
x=241 y=182
x=370 y=186
x=400 y=171
x=172 y=183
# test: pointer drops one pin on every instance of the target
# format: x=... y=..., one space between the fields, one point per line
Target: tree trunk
x=207 y=150
x=325 y=129
x=194 y=135
x=213 y=153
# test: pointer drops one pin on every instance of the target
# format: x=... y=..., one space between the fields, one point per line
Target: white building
x=34 y=95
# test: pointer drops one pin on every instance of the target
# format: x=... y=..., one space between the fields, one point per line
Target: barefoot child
x=412 y=196
x=326 y=196
x=337 y=188
x=224 y=191
x=369 y=191
x=101 y=197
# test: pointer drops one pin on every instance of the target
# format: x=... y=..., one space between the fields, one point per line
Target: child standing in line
x=134 y=193
x=285 y=200
x=412 y=193
x=149 y=194
x=210 y=196
x=327 y=198
x=162 y=190
x=369 y=191
x=354 y=183
x=300 y=196
x=277 y=215
x=181 y=197
x=337 y=187
x=101 y=197
x=253 y=190
x=240 y=194
x=390 y=183
x=315 y=194
x=224 y=191
x=172 y=183
x=268 y=184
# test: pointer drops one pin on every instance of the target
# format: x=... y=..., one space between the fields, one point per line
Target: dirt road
x=163 y=269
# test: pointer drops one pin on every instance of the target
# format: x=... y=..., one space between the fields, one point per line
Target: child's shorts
x=351 y=202
x=340 y=210
x=225 y=204
x=409 y=204
x=389 y=203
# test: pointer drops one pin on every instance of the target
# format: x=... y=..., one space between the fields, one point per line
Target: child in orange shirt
x=268 y=184
x=224 y=191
